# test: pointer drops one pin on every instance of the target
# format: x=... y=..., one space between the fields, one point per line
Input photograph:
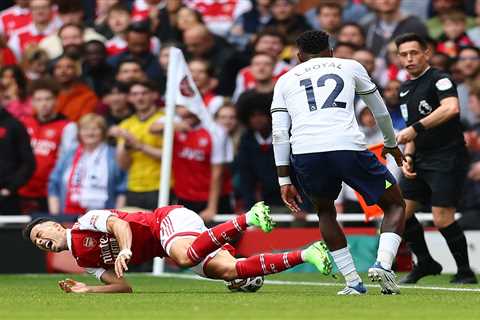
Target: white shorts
x=184 y=223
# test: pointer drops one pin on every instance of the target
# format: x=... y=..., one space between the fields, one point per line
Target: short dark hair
x=346 y=44
x=139 y=27
x=329 y=4
x=71 y=25
x=270 y=32
x=44 y=84
x=28 y=228
x=409 y=37
x=144 y=83
x=129 y=60
x=472 y=48
x=313 y=41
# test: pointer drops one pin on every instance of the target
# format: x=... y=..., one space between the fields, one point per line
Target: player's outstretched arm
x=123 y=233
x=112 y=285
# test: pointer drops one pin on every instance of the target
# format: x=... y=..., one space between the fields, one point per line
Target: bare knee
x=228 y=274
x=183 y=261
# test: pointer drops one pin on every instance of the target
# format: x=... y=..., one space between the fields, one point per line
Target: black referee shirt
x=420 y=97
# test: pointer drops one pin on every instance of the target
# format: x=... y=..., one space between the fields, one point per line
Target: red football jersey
x=93 y=247
x=194 y=152
x=45 y=139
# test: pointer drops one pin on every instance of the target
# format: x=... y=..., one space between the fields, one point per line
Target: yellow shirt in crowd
x=144 y=173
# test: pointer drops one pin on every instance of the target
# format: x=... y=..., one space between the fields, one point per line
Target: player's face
x=49 y=236
x=413 y=57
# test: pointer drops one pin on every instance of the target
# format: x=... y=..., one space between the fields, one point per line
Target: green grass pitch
x=292 y=296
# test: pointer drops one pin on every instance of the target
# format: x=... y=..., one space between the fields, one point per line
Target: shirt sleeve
x=97 y=272
x=363 y=82
x=445 y=87
x=219 y=147
x=278 y=102
x=95 y=220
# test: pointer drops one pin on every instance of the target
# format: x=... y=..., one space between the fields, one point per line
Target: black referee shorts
x=438 y=188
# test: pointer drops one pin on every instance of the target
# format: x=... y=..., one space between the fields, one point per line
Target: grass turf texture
x=38 y=297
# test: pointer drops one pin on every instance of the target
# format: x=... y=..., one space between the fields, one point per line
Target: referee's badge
x=444 y=84
x=404 y=111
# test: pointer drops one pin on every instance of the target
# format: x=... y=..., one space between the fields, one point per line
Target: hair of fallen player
x=409 y=37
x=313 y=42
x=28 y=228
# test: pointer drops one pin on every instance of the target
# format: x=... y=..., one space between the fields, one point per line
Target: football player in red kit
x=106 y=241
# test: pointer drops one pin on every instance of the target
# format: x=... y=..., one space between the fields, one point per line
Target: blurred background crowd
x=82 y=87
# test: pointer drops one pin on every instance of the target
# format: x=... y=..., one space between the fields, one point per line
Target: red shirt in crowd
x=29 y=35
x=46 y=139
x=194 y=152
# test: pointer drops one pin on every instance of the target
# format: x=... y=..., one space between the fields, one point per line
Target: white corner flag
x=181 y=90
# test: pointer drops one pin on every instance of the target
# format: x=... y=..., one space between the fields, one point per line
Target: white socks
x=344 y=261
x=387 y=249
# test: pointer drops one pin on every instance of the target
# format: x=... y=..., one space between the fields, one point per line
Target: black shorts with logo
x=440 y=179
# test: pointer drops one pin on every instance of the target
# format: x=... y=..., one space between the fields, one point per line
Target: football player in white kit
x=314 y=128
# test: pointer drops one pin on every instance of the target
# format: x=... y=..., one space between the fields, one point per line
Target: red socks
x=216 y=237
x=264 y=264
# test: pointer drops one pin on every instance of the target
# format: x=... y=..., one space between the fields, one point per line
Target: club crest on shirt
x=424 y=108
x=185 y=88
x=50 y=133
x=202 y=142
x=89 y=242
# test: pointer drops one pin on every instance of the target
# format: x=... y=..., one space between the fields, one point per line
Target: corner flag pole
x=170 y=98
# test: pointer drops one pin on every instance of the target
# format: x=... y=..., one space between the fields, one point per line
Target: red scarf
x=74 y=185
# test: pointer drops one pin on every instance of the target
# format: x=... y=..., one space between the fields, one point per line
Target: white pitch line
x=322 y=284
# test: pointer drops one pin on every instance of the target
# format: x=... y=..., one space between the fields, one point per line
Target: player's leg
x=335 y=239
x=362 y=171
x=223 y=265
x=214 y=238
x=322 y=187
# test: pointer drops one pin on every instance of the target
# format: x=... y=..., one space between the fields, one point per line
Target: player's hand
x=396 y=153
x=407 y=168
x=474 y=172
x=69 y=285
x=291 y=197
x=208 y=214
x=406 y=135
x=121 y=263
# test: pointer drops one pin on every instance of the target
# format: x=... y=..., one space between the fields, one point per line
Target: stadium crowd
x=82 y=87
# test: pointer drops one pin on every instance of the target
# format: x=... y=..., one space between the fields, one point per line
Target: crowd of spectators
x=82 y=87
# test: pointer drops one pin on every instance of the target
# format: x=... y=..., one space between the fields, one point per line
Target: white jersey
x=319 y=98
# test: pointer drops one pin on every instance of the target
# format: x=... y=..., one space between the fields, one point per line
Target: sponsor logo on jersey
x=404 y=111
x=404 y=93
x=89 y=242
x=109 y=249
x=444 y=84
x=424 y=108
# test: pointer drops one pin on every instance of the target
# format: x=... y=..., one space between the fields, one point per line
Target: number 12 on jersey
x=330 y=101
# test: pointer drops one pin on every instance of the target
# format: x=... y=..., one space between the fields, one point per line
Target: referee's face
x=413 y=57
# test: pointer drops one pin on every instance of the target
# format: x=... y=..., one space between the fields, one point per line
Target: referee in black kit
x=436 y=158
